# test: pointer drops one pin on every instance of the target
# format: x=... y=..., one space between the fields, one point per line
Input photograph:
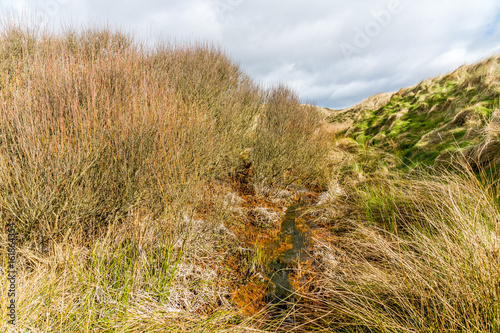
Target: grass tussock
x=109 y=152
x=435 y=121
x=418 y=254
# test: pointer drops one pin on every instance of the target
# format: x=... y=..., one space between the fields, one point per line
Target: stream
x=288 y=252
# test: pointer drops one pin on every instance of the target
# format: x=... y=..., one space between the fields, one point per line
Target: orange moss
x=251 y=297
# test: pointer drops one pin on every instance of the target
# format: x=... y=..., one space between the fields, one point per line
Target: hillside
x=440 y=119
x=410 y=221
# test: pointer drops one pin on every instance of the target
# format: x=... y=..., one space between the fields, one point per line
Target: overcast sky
x=331 y=52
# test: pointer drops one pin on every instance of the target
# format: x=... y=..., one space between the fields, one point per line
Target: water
x=288 y=251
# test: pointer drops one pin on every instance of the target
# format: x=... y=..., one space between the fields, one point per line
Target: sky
x=333 y=53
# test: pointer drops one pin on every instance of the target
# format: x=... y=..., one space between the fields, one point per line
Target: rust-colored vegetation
x=131 y=174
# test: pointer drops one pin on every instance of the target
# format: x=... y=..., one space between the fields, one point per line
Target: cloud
x=304 y=43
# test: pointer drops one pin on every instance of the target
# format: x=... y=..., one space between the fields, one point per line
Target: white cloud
x=300 y=42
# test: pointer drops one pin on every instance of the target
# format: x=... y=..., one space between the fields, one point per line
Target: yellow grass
x=116 y=166
x=108 y=152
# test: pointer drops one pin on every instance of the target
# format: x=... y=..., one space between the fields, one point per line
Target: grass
x=408 y=229
x=425 y=119
x=115 y=162
x=421 y=256
x=144 y=183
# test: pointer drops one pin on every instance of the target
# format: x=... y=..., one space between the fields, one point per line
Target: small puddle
x=285 y=255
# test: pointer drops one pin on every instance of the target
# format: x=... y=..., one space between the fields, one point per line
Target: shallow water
x=288 y=251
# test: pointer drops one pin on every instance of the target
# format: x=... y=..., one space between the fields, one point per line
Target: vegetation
x=437 y=119
x=148 y=185
x=110 y=153
x=416 y=220
x=411 y=254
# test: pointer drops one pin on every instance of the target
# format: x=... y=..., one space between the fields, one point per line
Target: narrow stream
x=288 y=251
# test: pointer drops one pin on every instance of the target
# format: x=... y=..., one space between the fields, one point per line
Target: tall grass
x=107 y=150
x=283 y=142
x=422 y=256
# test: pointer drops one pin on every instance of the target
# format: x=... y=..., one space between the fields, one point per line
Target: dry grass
x=118 y=164
x=420 y=254
x=415 y=251
x=109 y=154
